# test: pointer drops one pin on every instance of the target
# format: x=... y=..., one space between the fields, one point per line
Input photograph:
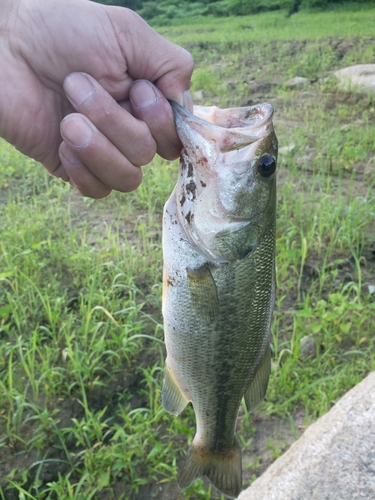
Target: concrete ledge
x=333 y=460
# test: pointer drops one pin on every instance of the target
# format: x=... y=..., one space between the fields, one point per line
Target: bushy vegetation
x=163 y=12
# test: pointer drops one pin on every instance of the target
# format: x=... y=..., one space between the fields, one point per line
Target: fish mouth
x=231 y=128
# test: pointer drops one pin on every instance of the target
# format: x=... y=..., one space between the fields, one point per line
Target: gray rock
x=287 y=149
x=361 y=77
x=297 y=82
x=307 y=347
x=333 y=460
x=198 y=95
x=370 y=167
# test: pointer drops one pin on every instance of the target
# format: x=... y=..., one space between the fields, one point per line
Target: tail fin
x=224 y=469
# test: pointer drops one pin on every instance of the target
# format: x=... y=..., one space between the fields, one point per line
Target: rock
x=360 y=76
x=260 y=87
x=308 y=94
x=297 y=82
x=333 y=460
x=307 y=347
x=198 y=95
x=370 y=167
x=287 y=149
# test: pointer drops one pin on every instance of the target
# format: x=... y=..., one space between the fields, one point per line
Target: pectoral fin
x=256 y=390
x=173 y=399
x=203 y=292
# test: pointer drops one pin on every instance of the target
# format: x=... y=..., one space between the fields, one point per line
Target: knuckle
x=186 y=62
x=147 y=152
x=189 y=61
x=107 y=119
x=132 y=181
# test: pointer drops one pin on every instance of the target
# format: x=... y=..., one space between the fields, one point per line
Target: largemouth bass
x=219 y=281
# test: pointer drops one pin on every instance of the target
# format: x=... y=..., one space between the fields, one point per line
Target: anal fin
x=257 y=388
x=173 y=399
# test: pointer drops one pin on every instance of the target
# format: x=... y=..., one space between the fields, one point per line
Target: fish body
x=219 y=281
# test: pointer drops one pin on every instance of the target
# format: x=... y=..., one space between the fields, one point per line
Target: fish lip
x=255 y=123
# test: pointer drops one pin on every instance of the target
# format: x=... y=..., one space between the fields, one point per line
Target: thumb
x=149 y=56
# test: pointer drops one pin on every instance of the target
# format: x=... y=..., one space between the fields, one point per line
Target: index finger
x=157 y=113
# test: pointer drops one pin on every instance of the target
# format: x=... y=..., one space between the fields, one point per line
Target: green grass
x=81 y=351
x=273 y=26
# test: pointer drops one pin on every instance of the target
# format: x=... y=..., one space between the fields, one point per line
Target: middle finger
x=130 y=136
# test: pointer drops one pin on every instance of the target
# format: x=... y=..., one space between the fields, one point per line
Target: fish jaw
x=219 y=189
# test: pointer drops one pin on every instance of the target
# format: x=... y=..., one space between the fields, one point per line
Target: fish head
x=226 y=192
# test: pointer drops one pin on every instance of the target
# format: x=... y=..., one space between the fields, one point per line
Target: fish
x=219 y=281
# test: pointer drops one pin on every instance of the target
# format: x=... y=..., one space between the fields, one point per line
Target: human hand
x=83 y=71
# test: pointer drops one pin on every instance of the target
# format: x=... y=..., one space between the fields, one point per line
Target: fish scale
x=219 y=281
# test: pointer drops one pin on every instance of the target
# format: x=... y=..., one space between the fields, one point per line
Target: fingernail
x=143 y=94
x=188 y=101
x=78 y=88
x=77 y=130
x=68 y=154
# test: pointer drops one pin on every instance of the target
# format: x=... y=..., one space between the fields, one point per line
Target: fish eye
x=267 y=166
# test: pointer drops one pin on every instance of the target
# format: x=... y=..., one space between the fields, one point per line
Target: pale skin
x=85 y=89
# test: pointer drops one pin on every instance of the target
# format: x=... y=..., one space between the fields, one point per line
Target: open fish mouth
x=236 y=127
x=250 y=116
